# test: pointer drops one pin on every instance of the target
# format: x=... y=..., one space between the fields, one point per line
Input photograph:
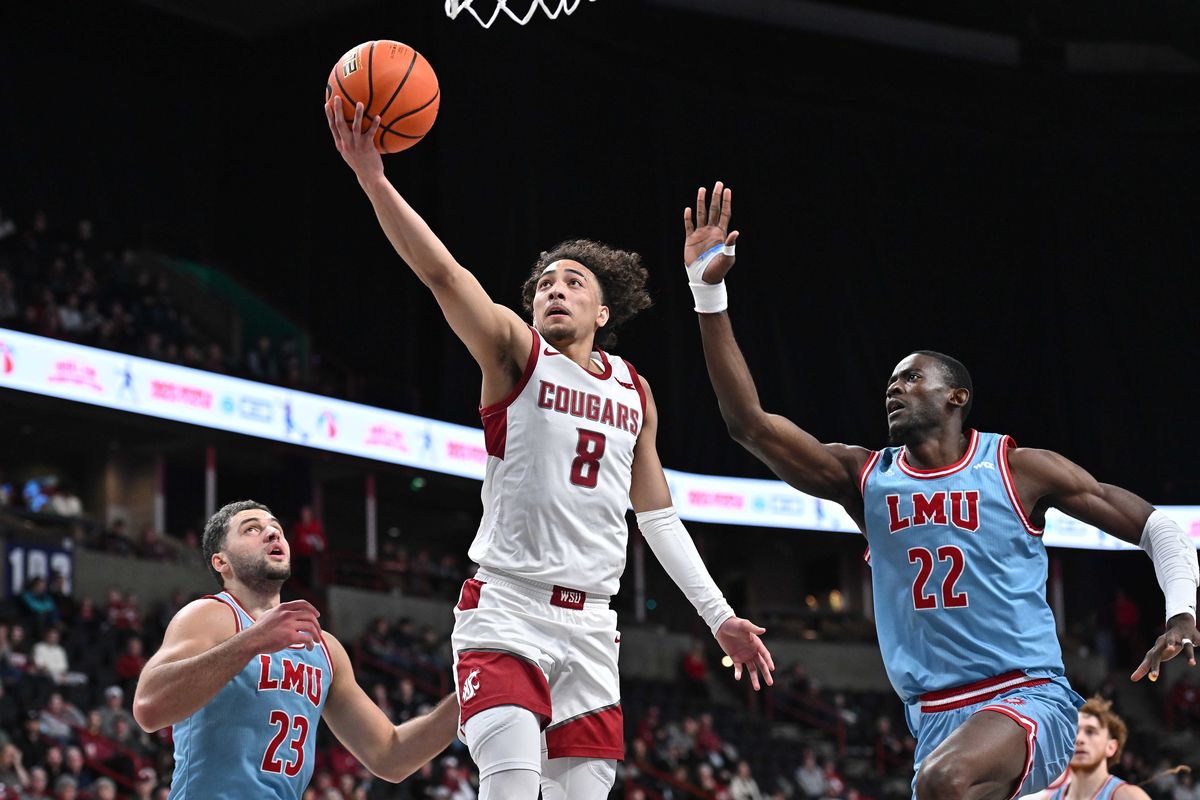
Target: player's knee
x=504 y=738
x=510 y=784
x=942 y=779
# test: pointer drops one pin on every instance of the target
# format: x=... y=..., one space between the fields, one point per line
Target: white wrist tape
x=1175 y=563
x=711 y=298
x=675 y=550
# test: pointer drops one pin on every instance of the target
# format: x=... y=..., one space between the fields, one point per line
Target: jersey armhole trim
x=866 y=472
x=1010 y=488
x=637 y=385
x=530 y=363
x=328 y=658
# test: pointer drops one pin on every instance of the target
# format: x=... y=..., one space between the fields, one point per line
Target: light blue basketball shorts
x=1046 y=707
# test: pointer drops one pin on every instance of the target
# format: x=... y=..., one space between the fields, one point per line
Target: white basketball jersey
x=560 y=457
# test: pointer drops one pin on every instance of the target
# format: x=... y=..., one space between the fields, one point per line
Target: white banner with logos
x=128 y=383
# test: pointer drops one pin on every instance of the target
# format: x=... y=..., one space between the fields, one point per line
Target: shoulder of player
x=854 y=457
x=1046 y=467
x=338 y=654
x=1130 y=791
x=204 y=622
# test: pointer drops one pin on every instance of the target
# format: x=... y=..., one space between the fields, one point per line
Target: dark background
x=1039 y=224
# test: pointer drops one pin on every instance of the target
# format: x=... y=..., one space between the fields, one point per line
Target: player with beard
x=1098 y=746
x=953 y=519
x=244 y=679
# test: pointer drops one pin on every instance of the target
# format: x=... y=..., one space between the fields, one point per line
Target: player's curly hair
x=622 y=281
x=1101 y=709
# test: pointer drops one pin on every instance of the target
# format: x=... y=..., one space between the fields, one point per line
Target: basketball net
x=552 y=8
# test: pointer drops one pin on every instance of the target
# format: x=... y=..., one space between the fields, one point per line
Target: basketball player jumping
x=244 y=680
x=570 y=433
x=953 y=520
x=1098 y=745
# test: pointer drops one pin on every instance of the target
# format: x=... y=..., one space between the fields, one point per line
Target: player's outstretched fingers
x=688 y=227
x=765 y=669
x=1151 y=663
x=714 y=203
x=359 y=110
x=374 y=129
x=701 y=209
x=726 y=208
x=1189 y=647
x=753 y=676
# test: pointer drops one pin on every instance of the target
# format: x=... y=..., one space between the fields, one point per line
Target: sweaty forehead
x=916 y=361
x=1090 y=721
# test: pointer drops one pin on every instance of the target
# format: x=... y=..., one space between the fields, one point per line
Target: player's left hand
x=739 y=639
x=708 y=229
x=1181 y=637
x=356 y=145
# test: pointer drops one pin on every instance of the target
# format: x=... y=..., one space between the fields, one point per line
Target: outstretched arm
x=497 y=338
x=830 y=471
x=675 y=550
x=1044 y=480
x=391 y=752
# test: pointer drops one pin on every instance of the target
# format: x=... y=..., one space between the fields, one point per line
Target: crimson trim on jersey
x=504 y=679
x=328 y=658
x=495 y=416
x=637 y=384
x=978 y=692
x=592 y=734
x=237 y=619
x=290 y=646
x=940 y=472
x=866 y=471
x=1030 y=726
x=1010 y=488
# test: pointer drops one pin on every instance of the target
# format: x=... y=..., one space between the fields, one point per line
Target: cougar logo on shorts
x=470 y=685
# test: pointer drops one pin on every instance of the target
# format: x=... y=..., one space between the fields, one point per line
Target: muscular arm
x=497 y=338
x=830 y=471
x=391 y=752
x=1044 y=479
x=1130 y=791
x=200 y=654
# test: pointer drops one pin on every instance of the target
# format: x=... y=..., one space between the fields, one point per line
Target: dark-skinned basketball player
x=570 y=434
x=953 y=519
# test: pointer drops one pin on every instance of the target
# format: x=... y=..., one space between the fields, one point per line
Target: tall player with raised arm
x=570 y=433
x=953 y=519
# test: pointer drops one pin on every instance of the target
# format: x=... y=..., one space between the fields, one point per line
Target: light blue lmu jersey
x=1106 y=791
x=257 y=737
x=958 y=571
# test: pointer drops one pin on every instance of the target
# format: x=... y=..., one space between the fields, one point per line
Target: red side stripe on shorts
x=490 y=678
x=1030 y=726
x=468 y=598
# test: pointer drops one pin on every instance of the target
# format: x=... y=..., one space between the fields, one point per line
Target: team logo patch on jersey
x=470 y=685
x=983 y=465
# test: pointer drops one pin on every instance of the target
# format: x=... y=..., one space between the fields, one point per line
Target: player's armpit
x=1044 y=479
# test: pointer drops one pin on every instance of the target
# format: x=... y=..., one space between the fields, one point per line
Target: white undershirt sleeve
x=675 y=550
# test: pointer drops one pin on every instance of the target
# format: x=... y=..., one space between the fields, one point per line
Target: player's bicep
x=197 y=628
x=828 y=471
x=353 y=718
x=1057 y=482
x=492 y=333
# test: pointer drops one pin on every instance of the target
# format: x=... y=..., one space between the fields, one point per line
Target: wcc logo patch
x=470 y=685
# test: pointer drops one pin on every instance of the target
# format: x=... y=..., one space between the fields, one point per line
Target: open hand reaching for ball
x=357 y=146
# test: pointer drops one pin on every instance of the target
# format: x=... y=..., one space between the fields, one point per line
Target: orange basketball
x=395 y=83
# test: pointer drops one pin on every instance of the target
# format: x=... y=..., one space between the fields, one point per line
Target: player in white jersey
x=570 y=434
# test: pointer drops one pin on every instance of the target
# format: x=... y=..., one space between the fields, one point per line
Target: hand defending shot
x=709 y=230
x=356 y=145
x=1181 y=637
x=739 y=639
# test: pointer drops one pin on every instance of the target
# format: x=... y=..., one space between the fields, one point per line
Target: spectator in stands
x=113 y=710
x=708 y=742
x=153 y=547
x=39 y=785
x=810 y=778
x=308 y=547
x=50 y=660
x=122 y=611
x=59 y=719
x=1183 y=704
x=834 y=785
x=890 y=751
x=37 y=606
x=105 y=789
x=131 y=744
x=261 y=361
x=408 y=703
x=1185 y=787
x=147 y=780
x=75 y=767
x=743 y=786
x=12 y=769
x=94 y=741
x=9 y=310
x=63 y=602
x=694 y=669
x=10 y=715
x=32 y=743
x=130 y=663
x=55 y=763
x=65 y=788
x=114 y=539
x=70 y=317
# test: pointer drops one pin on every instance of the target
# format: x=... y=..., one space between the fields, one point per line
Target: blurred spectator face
x=407 y=690
x=743 y=770
x=39 y=781
x=95 y=721
x=134 y=647
x=114 y=698
x=52 y=637
x=85 y=230
x=75 y=755
x=54 y=758
x=121 y=728
x=306 y=514
x=65 y=789
x=346 y=785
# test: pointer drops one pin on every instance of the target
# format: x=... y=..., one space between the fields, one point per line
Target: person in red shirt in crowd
x=308 y=547
x=1183 y=706
x=129 y=664
x=695 y=671
x=707 y=740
